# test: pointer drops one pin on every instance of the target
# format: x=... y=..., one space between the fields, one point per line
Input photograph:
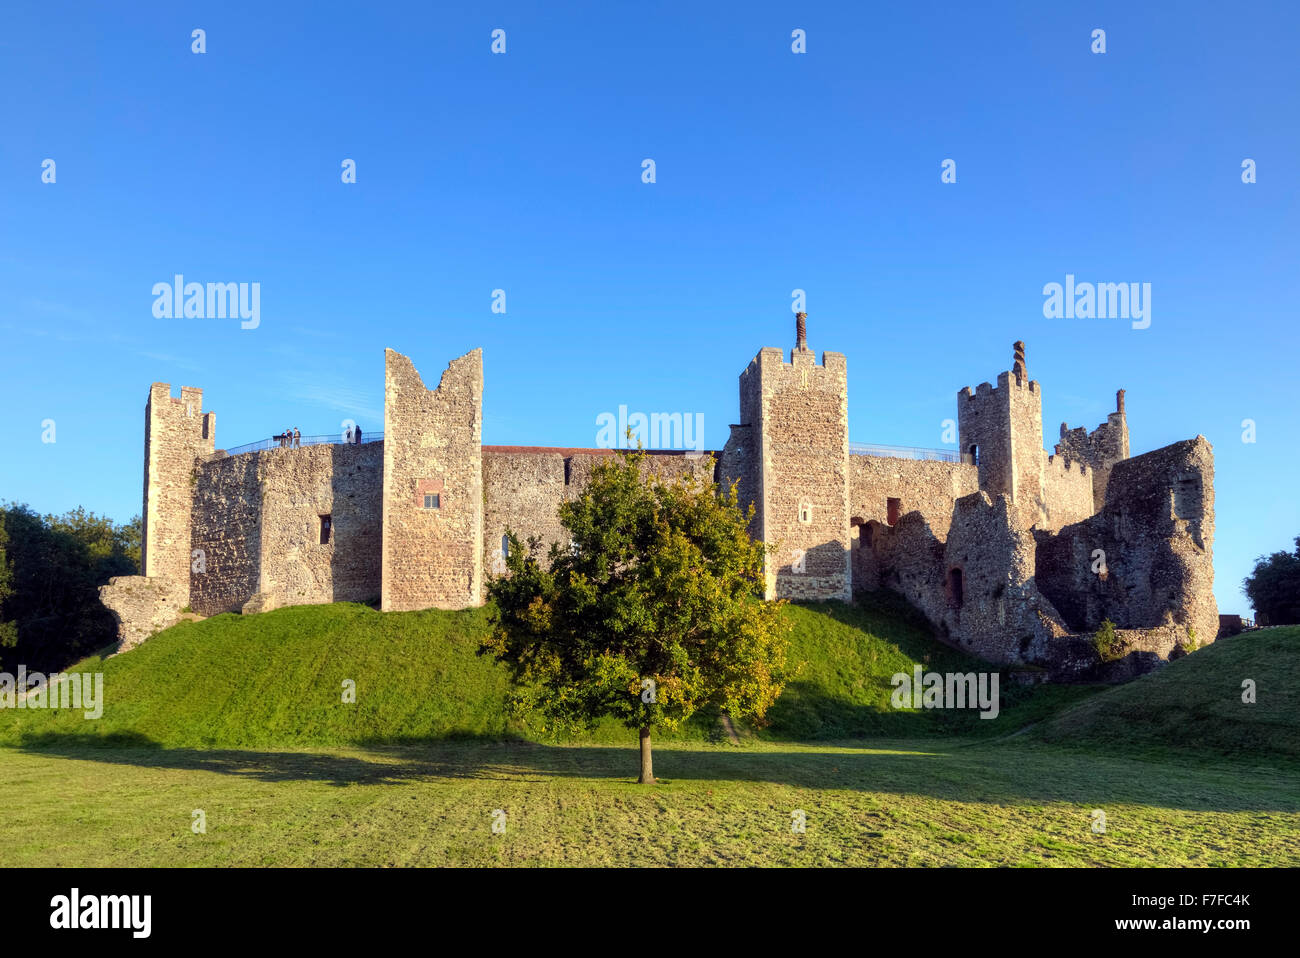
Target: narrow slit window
x=326 y=529
x=893 y=511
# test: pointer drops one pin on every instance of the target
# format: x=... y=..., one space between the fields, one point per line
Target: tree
x=8 y=630
x=654 y=611
x=1274 y=587
x=54 y=566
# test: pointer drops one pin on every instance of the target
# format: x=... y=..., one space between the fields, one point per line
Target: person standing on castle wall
x=297 y=438
x=356 y=433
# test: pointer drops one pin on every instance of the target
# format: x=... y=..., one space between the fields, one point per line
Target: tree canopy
x=652 y=612
x=1274 y=588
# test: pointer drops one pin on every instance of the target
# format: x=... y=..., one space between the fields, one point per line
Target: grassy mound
x=1195 y=704
x=277 y=680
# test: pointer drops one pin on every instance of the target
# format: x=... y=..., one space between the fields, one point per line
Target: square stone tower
x=797 y=472
x=176 y=433
x=433 y=486
x=1001 y=430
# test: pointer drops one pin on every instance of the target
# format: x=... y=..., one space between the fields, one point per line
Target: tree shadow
x=1006 y=774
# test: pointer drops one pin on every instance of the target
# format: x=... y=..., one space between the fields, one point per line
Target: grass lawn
x=926 y=802
x=242 y=717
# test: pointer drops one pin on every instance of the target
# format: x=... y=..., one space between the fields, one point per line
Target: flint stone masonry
x=432 y=557
x=141 y=606
x=996 y=550
x=257 y=527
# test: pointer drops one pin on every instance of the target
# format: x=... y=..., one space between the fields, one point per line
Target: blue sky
x=774 y=171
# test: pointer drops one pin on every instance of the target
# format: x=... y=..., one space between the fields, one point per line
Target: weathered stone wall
x=1067 y=493
x=1099 y=449
x=141 y=606
x=525 y=487
x=433 y=557
x=524 y=492
x=1155 y=537
x=801 y=417
x=257 y=525
x=176 y=433
x=929 y=487
x=227 y=531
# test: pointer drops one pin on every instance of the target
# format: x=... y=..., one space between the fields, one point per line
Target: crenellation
x=999 y=549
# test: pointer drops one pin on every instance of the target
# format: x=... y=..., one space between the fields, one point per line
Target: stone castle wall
x=996 y=550
x=1156 y=535
x=258 y=527
x=525 y=487
x=432 y=556
x=1067 y=493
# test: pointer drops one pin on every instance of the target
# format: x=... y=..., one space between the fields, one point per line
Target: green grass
x=242 y=717
x=1195 y=707
x=275 y=680
x=905 y=803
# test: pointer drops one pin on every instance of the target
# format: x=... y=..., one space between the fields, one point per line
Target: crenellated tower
x=177 y=432
x=1000 y=429
x=791 y=452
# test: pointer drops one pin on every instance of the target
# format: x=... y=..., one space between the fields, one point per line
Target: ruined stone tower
x=1000 y=429
x=176 y=433
x=1099 y=449
x=433 y=486
x=790 y=453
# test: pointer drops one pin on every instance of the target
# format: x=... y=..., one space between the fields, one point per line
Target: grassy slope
x=1195 y=704
x=275 y=680
x=1010 y=803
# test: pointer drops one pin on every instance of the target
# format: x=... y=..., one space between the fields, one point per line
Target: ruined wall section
x=432 y=557
x=298 y=488
x=227 y=531
x=1067 y=493
x=929 y=487
x=1100 y=449
x=177 y=433
x=1156 y=537
x=258 y=521
x=800 y=410
x=524 y=492
x=524 y=489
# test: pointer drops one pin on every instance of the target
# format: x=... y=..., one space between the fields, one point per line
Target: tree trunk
x=647 y=764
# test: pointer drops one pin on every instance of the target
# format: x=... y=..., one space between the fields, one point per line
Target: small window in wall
x=326 y=528
x=974 y=454
x=805 y=512
x=505 y=547
x=568 y=470
x=955 y=587
x=432 y=500
x=893 y=511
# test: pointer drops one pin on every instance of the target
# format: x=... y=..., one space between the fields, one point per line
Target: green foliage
x=662 y=585
x=1191 y=645
x=1108 y=645
x=49 y=589
x=8 y=630
x=1274 y=588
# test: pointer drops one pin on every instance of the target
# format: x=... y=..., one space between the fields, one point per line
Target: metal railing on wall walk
x=275 y=442
x=905 y=452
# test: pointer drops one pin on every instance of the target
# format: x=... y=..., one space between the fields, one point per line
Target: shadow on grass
x=1007 y=774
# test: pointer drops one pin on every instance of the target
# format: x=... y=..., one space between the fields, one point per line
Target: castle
x=1011 y=553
